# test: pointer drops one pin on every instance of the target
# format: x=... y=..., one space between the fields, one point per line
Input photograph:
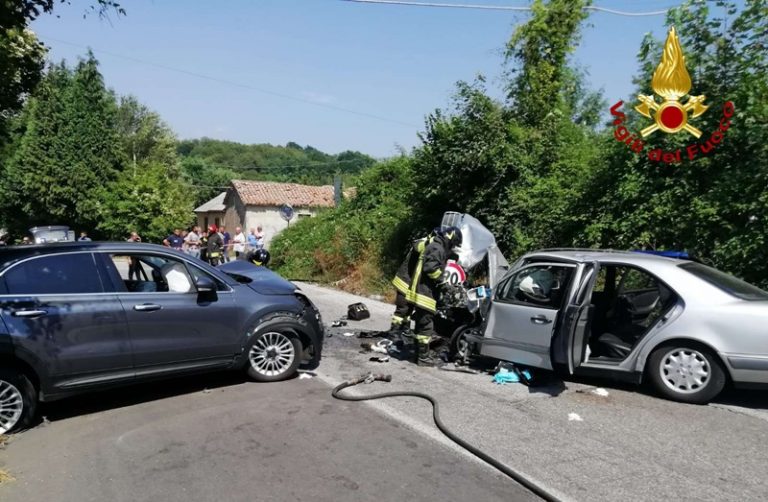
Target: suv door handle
x=146 y=307
x=29 y=313
x=540 y=319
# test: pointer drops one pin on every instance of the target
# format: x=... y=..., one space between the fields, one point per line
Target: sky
x=328 y=73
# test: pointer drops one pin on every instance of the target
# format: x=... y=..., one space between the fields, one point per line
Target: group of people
x=215 y=245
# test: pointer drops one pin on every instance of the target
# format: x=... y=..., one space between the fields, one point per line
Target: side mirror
x=205 y=285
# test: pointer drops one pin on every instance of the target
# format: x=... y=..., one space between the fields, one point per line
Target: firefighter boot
x=425 y=356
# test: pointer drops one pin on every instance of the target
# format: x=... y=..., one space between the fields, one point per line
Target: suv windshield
x=726 y=282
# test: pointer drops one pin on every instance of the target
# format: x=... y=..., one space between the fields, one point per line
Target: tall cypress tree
x=67 y=151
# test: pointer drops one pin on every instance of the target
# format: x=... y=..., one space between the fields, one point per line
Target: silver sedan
x=687 y=328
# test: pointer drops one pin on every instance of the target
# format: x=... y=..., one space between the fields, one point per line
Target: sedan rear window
x=726 y=282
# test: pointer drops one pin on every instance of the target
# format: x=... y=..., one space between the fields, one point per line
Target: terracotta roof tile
x=272 y=193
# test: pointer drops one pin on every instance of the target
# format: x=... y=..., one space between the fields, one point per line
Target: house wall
x=270 y=220
x=209 y=217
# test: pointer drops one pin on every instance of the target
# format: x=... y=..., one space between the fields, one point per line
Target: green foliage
x=67 y=151
x=208 y=161
x=150 y=195
x=355 y=240
x=517 y=165
x=715 y=205
x=22 y=54
x=80 y=159
x=536 y=169
x=146 y=202
x=205 y=179
x=21 y=63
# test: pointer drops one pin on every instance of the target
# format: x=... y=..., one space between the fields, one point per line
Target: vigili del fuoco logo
x=671 y=82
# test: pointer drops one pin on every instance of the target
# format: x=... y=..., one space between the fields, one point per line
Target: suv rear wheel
x=18 y=400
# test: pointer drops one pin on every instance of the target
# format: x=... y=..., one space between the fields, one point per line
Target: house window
x=216 y=220
x=304 y=215
x=206 y=223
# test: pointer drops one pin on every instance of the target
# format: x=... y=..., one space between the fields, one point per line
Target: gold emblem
x=671 y=81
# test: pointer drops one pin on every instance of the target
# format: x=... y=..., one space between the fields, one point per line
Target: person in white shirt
x=239 y=242
x=192 y=241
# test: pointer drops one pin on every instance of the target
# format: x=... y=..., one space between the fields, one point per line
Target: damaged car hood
x=260 y=279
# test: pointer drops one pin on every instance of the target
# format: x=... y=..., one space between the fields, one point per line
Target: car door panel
x=178 y=327
x=523 y=333
x=174 y=330
x=82 y=336
x=520 y=325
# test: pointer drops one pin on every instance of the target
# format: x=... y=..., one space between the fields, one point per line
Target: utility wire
x=497 y=7
x=236 y=84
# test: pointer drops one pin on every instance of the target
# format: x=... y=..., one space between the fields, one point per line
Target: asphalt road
x=218 y=437
x=628 y=445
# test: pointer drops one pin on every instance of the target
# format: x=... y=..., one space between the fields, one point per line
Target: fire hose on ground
x=501 y=467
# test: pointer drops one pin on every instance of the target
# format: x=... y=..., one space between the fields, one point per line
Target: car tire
x=459 y=347
x=687 y=372
x=274 y=354
x=18 y=401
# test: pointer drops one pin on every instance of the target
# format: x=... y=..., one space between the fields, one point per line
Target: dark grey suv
x=81 y=316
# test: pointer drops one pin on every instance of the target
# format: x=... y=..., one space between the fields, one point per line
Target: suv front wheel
x=274 y=355
x=18 y=400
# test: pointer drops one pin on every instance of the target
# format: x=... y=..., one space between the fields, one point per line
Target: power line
x=236 y=84
x=497 y=7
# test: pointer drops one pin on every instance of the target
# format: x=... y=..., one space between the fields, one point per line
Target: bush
x=358 y=245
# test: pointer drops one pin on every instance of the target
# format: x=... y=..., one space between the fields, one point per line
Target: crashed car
x=81 y=316
x=685 y=327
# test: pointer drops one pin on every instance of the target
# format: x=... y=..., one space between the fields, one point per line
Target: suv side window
x=71 y=273
x=538 y=285
x=152 y=274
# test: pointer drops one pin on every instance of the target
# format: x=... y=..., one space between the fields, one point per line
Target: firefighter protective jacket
x=418 y=276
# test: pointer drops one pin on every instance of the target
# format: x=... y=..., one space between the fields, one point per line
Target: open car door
x=570 y=343
x=525 y=312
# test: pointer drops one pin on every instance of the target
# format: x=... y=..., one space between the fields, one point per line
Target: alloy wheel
x=272 y=354
x=11 y=406
x=684 y=370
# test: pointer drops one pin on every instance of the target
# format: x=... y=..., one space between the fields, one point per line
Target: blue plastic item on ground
x=505 y=376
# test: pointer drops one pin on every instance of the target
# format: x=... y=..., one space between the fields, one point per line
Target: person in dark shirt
x=226 y=238
x=175 y=240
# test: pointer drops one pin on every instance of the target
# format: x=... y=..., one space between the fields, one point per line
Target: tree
x=714 y=206
x=150 y=195
x=67 y=151
x=21 y=64
x=518 y=165
x=22 y=54
x=152 y=202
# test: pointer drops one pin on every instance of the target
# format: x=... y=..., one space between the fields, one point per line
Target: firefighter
x=214 y=245
x=419 y=283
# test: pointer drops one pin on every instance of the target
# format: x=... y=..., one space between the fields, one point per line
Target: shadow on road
x=131 y=395
x=753 y=399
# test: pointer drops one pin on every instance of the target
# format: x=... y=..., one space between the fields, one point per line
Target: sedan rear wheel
x=18 y=400
x=687 y=373
x=274 y=356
